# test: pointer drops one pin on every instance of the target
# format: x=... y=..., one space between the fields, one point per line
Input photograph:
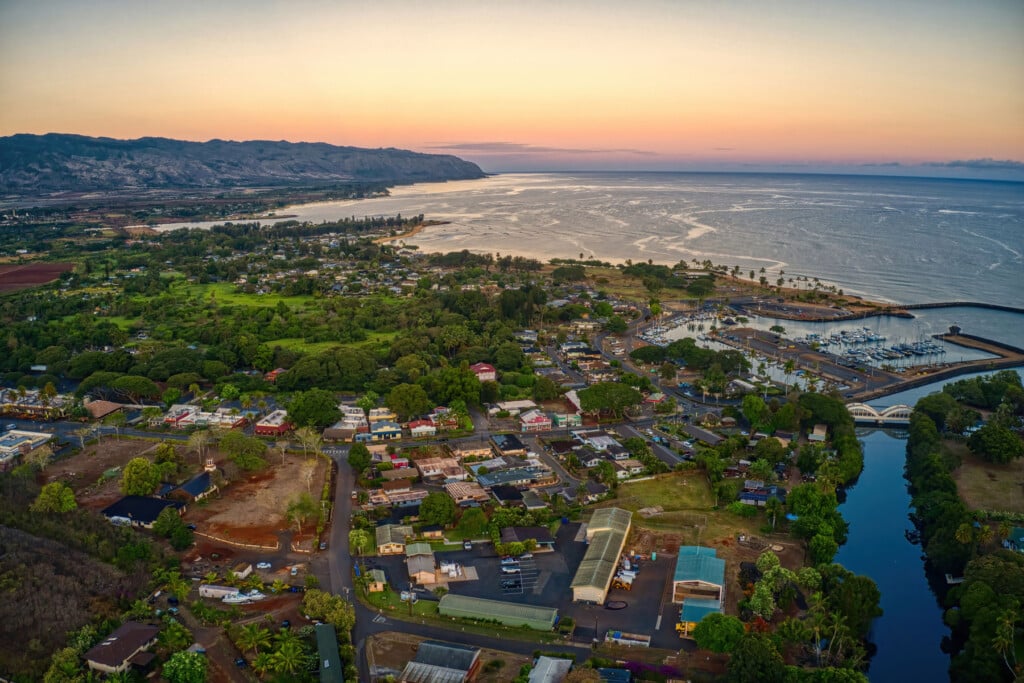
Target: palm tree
x=788 y=368
x=253 y=637
x=964 y=534
x=985 y=534
x=289 y=657
x=261 y=664
x=772 y=507
x=1003 y=642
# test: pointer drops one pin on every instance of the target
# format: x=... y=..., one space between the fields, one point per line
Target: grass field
x=224 y=292
x=688 y=505
x=986 y=486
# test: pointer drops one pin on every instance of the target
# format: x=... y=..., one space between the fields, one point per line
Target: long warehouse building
x=606 y=533
x=508 y=613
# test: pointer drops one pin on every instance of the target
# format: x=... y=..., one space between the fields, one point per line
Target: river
x=911 y=629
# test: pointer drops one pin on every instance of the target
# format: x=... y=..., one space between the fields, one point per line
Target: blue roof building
x=699 y=584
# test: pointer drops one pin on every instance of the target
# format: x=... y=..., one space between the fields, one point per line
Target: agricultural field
x=22 y=276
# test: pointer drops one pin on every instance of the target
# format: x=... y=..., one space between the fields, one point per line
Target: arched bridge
x=865 y=414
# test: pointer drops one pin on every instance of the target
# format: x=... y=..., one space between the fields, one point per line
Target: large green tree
x=55 y=497
x=316 y=408
x=610 y=397
x=186 y=667
x=140 y=477
x=408 y=400
x=718 y=632
x=437 y=508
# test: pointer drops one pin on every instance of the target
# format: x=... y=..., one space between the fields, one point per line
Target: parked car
x=508 y=561
x=241 y=663
x=11 y=426
x=295 y=571
x=467 y=545
x=323 y=545
x=510 y=570
x=262 y=565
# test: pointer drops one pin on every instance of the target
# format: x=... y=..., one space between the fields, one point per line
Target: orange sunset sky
x=533 y=85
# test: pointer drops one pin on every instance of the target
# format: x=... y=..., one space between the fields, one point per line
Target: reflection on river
x=909 y=633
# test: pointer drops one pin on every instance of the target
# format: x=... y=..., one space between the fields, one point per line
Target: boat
x=243 y=598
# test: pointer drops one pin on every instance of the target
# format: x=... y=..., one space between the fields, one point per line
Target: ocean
x=907 y=240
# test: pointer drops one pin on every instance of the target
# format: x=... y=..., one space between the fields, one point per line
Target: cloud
x=724 y=149
x=519 y=148
x=986 y=164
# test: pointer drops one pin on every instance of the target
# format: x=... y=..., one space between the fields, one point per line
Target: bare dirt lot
x=84 y=471
x=389 y=653
x=23 y=276
x=251 y=509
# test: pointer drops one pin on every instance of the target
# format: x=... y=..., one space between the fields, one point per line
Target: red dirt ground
x=14 y=277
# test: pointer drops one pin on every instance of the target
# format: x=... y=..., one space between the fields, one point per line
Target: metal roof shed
x=510 y=614
x=330 y=660
x=699 y=574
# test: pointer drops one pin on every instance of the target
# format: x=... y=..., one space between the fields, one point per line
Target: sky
x=549 y=85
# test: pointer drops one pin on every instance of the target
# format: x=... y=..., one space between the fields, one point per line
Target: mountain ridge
x=62 y=162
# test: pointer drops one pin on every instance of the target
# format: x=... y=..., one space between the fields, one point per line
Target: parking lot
x=545 y=580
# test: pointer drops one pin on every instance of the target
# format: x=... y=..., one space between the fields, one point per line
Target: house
x=274 y=424
x=437 y=662
x=484 y=372
x=101 y=409
x=508 y=444
x=517 y=476
x=534 y=421
x=567 y=420
x=550 y=670
x=701 y=435
x=760 y=496
x=139 y=511
x=431 y=531
x=376 y=582
x=598 y=439
x=511 y=407
x=195 y=489
x=595 y=491
x=418 y=548
x=385 y=430
x=422 y=568
x=819 y=434
x=399 y=473
x=431 y=468
x=382 y=415
x=443 y=419
x=273 y=375
x=396 y=486
x=125 y=647
x=419 y=428
x=507 y=495
x=520 y=534
x=532 y=501
x=466 y=493
x=471 y=449
x=391 y=538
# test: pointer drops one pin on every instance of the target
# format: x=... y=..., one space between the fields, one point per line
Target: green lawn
x=225 y=293
x=296 y=344
x=688 y=505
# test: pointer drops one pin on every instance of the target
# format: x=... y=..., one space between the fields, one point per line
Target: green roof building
x=330 y=659
x=699 y=574
x=508 y=613
x=606 y=534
